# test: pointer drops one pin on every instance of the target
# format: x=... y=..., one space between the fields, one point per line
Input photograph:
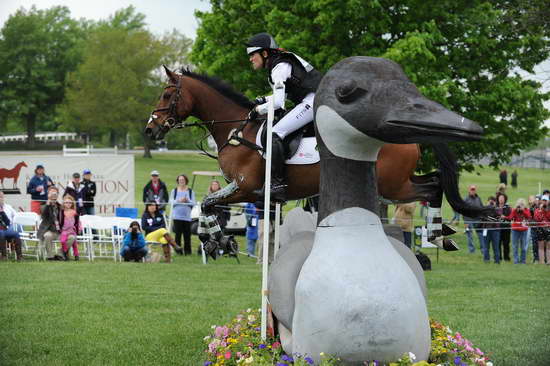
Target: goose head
x=364 y=102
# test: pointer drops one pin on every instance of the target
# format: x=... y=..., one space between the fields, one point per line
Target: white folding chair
x=26 y=223
x=99 y=231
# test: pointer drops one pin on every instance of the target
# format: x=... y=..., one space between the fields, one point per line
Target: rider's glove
x=253 y=114
x=260 y=100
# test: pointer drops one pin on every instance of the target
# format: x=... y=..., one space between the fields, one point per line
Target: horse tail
x=449 y=183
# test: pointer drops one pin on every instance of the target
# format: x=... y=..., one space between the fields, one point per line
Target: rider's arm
x=280 y=73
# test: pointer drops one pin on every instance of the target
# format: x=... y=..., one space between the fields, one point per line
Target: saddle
x=292 y=141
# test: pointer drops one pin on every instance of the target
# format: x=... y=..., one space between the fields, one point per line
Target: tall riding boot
x=278 y=185
x=18 y=251
x=167 y=253
x=3 y=249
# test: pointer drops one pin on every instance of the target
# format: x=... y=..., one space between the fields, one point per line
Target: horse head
x=172 y=109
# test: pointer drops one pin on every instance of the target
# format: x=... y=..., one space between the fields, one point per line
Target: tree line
x=102 y=78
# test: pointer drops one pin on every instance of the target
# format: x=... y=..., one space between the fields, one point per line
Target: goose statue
x=356 y=296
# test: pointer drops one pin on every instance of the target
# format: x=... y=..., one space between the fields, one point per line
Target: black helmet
x=260 y=41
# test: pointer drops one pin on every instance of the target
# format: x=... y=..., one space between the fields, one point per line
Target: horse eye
x=166 y=96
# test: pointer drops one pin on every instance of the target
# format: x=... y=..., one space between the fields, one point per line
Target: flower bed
x=239 y=343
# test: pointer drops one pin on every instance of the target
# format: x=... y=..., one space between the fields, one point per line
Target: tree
x=115 y=88
x=465 y=55
x=37 y=50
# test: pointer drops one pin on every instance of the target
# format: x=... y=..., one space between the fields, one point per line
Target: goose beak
x=424 y=121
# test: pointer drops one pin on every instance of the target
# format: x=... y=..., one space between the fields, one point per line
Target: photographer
x=134 y=247
x=491 y=235
x=541 y=231
x=50 y=226
x=519 y=218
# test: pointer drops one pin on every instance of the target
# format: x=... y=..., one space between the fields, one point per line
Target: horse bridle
x=173 y=120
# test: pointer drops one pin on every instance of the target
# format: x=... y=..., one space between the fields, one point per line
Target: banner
x=113 y=175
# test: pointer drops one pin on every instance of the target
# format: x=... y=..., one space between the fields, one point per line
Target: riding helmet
x=260 y=41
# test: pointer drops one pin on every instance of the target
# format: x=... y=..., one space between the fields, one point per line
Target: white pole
x=267 y=199
x=277 y=225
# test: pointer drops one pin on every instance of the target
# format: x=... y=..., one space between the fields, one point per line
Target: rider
x=290 y=75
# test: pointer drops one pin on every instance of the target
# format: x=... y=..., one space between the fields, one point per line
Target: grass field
x=152 y=314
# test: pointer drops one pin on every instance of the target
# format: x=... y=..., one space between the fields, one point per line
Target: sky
x=165 y=15
x=161 y=15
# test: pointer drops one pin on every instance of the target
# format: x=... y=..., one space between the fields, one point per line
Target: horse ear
x=170 y=74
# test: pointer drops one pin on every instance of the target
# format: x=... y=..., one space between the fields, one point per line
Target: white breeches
x=297 y=118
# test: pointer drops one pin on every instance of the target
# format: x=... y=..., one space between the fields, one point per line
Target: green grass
x=148 y=314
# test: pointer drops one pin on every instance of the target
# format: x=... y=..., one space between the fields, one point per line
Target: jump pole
x=267 y=200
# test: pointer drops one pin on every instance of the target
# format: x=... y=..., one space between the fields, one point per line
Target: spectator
x=533 y=204
x=76 y=190
x=38 y=188
x=182 y=200
x=491 y=235
x=503 y=177
x=504 y=210
x=404 y=217
x=519 y=217
x=156 y=191
x=541 y=231
x=545 y=195
x=471 y=223
x=50 y=226
x=7 y=234
x=456 y=218
x=134 y=247
x=70 y=227
x=221 y=212
x=89 y=192
x=501 y=189
x=251 y=229
x=154 y=226
x=515 y=179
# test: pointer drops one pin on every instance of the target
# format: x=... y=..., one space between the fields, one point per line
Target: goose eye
x=348 y=91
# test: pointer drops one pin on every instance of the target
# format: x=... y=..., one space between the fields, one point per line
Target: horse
x=221 y=110
x=11 y=173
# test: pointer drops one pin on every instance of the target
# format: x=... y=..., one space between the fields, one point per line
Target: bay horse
x=11 y=173
x=210 y=99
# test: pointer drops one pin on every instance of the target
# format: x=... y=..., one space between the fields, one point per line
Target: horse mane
x=222 y=87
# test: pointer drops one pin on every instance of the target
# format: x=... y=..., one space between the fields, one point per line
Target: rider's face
x=256 y=60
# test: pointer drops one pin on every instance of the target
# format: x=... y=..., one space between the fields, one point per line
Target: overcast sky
x=161 y=15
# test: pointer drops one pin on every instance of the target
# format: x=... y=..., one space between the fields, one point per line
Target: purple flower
x=257 y=329
x=261 y=346
x=287 y=358
x=308 y=360
x=457 y=360
x=281 y=364
x=207 y=363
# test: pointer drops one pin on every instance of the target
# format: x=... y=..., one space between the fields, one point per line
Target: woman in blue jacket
x=133 y=245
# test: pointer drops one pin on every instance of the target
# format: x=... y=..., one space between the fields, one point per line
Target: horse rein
x=176 y=122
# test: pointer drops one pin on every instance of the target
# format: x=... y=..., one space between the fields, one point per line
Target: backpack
x=176 y=193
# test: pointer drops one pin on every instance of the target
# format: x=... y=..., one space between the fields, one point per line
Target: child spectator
x=38 y=188
x=134 y=247
x=70 y=227
x=251 y=229
x=182 y=200
x=76 y=190
x=519 y=217
x=154 y=226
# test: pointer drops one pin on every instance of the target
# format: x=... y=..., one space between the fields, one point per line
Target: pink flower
x=275 y=345
x=213 y=345
x=469 y=348
x=221 y=331
x=227 y=355
x=478 y=351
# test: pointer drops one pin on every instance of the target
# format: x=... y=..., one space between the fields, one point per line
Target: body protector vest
x=303 y=80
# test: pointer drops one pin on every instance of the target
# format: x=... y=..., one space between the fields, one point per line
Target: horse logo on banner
x=11 y=174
